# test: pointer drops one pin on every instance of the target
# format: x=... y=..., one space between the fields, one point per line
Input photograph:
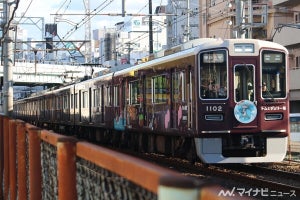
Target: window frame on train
x=210 y=87
x=272 y=90
x=244 y=81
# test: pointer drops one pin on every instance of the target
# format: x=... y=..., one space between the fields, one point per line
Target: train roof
x=193 y=47
x=181 y=51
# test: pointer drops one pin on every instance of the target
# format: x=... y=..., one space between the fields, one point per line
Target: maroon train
x=223 y=101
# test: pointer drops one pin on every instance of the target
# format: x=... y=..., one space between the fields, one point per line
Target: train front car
x=243 y=105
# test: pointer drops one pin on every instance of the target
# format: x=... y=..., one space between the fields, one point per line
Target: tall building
x=182 y=21
x=234 y=18
x=132 y=38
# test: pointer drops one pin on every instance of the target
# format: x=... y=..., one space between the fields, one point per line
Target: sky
x=48 y=8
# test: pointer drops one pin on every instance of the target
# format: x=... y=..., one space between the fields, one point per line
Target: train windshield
x=273 y=75
x=213 y=75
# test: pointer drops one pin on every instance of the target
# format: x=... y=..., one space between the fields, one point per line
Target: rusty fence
x=40 y=164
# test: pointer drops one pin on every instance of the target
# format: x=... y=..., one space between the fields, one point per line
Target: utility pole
x=8 y=61
x=88 y=49
x=187 y=31
x=243 y=21
x=150 y=28
x=129 y=50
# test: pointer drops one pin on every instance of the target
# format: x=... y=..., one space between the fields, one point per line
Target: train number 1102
x=214 y=108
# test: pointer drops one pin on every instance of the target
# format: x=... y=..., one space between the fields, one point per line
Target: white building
x=183 y=20
x=133 y=37
x=174 y=24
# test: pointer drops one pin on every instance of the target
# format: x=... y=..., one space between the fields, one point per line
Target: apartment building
x=273 y=20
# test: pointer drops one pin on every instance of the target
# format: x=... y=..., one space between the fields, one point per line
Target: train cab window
x=244 y=82
x=213 y=75
x=134 y=92
x=273 y=83
x=178 y=86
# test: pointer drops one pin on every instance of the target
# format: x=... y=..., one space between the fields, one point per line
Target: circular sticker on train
x=245 y=111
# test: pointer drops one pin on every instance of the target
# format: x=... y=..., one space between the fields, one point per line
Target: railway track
x=241 y=180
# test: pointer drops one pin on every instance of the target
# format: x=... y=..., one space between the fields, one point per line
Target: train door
x=135 y=104
x=101 y=96
x=90 y=104
x=108 y=108
x=77 y=107
x=158 y=101
x=85 y=106
x=245 y=110
x=119 y=104
x=79 y=104
x=181 y=96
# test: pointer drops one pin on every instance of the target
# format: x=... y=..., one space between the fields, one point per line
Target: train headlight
x=245 y=111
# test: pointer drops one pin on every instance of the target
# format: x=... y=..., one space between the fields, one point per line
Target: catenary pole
x=7 y=62
x=150 y=28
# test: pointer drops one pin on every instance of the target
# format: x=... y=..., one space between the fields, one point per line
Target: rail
x=40 y=164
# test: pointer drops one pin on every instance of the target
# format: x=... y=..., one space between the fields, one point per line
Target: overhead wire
x=26 y=10
x=88 y=17
x=8 y=23
x=67 y=6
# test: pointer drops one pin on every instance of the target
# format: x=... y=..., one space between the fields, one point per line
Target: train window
x=116 y=96
x=273 y=83
x=58 y=102
x=244 y=82
x=48 y=104
x=134 y=92
x=178 y=88
x=160 y=88
x=65 y=102
x=108 y=96
x=76 y=100
x=42 y=104
x=213 y=75
x=85 y=99
x=96 y=97
x=148 y=85
x=72 y=100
